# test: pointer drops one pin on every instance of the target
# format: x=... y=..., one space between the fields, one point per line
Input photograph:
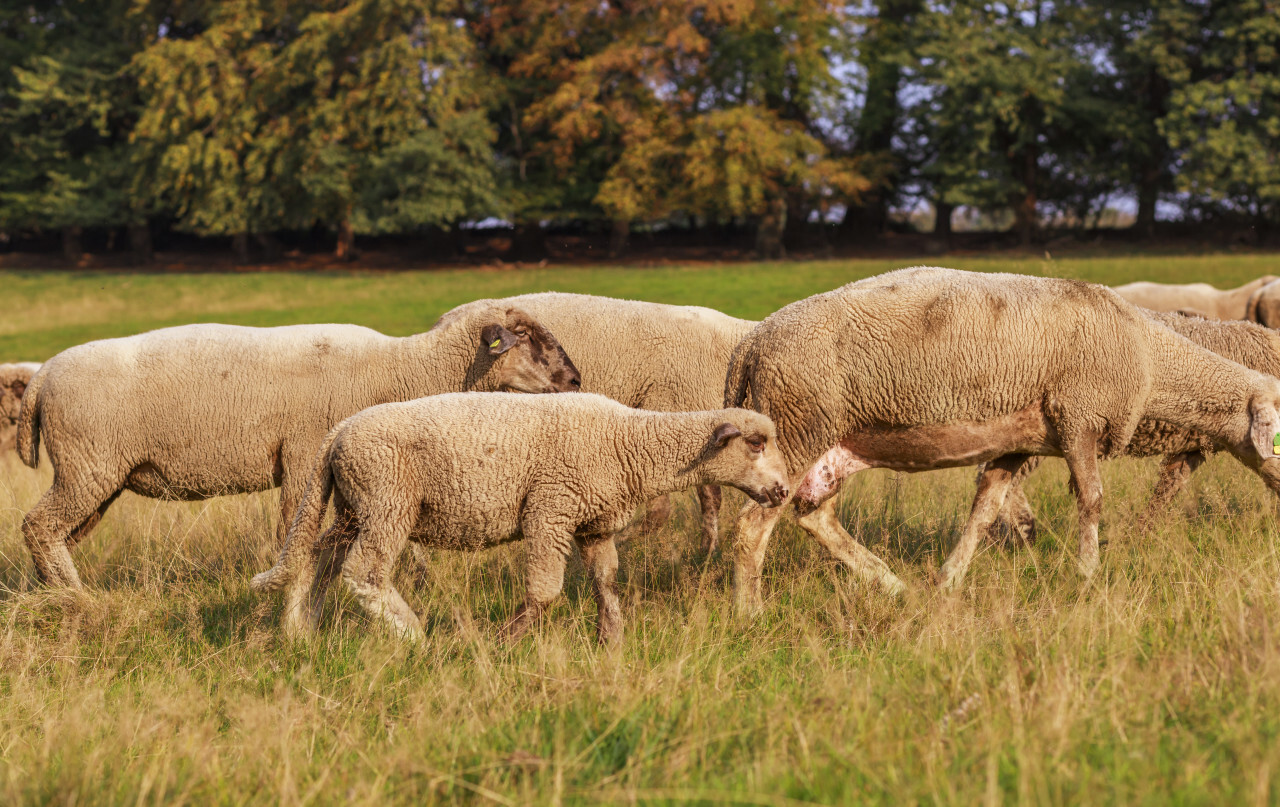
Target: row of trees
x=244 y=118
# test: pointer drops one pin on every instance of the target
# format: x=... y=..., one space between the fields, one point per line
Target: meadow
x=167 y=681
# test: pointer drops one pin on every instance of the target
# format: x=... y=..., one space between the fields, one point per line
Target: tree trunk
x=619 y=235
x=942 y=220
x=528 y=242
x=1148 y=194
x=140 y=243
x=271 y=248
x=346 y=249
x=72 y=247
x=240 y=247
x=1024 y=204
x=769 y=231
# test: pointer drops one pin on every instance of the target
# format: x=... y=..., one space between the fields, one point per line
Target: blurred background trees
x=795 y=120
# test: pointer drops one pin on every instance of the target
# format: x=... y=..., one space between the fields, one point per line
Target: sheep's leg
x=47 y=529
x=755 y=524
x=87 y=526
x=601 y=559
x=548 y=548
x=295 y=474
x=304 y=597
x=823 y=525
x=370 y=563
x=709 y=499
x=1016 y=516
x=1175 y=472
x=992 y=487
x=1082 y=460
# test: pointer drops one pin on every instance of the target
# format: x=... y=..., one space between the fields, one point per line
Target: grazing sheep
x=1196 y=299
x=14 y=379
x=667 y=358
x=208 y=410
x=1264 y=306
x=467 y=471
x=929 y=368
x=1184 y=451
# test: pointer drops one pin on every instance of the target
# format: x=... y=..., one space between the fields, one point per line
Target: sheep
x=1264 y=306
x=1196 y=299
x=207 y=410
x=469 y=471
x=1184 y=451
x=668 y=358
x=927 y=368
x=14 y=379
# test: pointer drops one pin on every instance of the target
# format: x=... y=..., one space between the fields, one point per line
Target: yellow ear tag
x=497 y=342
x=1275 y=446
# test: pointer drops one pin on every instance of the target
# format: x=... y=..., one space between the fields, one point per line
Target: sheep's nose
x=576 y=382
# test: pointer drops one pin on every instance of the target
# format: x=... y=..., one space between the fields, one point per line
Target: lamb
x=672 y=359
x=1184 y=451
x=14 y=379
x=1196 y=299
x=208 y=410
x=927 y=368
x=467 y=471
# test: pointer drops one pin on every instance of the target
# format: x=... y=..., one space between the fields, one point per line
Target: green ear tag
x=497 y=342
x=1275 y=445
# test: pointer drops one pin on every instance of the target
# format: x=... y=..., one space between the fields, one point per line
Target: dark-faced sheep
x=208 y=410
x=468 y=471
x=929 y=368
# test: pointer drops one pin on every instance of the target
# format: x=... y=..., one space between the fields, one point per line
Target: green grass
x=1159 y=682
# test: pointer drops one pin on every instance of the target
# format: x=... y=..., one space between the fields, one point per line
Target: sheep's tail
x=737 y=382
x=29 y=421
x=305 y=529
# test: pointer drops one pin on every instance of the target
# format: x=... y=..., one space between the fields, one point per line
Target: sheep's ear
x=724 y=433
x=1264 y=428
x=497 y=339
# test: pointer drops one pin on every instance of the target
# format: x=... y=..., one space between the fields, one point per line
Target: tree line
x=248 y=118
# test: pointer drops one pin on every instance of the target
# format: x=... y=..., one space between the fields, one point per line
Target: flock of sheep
x=422 y=440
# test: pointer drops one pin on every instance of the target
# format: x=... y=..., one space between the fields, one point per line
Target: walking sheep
x=468 y=471
x=929 y=368
x=14 y=379
x=667 y=358
x=1184 y=451
x=1196 y=299
x=208 y=410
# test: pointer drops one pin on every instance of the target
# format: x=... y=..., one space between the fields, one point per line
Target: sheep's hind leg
x=370 y=563
x=601 y=559
x=709 y=500
x=1016 y=518
x=548 y=548
x=993 y=485
x=61 y=518
x=824 y=526
x=1082 y=460
x=1175 y=472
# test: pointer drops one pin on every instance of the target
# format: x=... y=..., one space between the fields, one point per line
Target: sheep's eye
x=756 y=443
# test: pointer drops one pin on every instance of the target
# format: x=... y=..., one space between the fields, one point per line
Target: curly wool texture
x=14 y=379
x=927 y=368
x=467 y=471
x=1196 y=299
x=667 y=358
x=207 y=410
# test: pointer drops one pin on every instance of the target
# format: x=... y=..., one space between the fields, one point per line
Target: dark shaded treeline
x=270 y=125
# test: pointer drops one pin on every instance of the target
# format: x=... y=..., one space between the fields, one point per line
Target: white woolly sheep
x=667 y=358
x=928 y=368
x=14 y=379
x=1196 y=299
x=208 y=410
x=467 y=471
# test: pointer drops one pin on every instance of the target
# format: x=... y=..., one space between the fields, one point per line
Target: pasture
x=168 y=682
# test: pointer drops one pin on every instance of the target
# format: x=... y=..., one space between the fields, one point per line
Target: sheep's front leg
x=1082 y=459
x=994 y=483
x=548 y=544
x=1175 y=472
x=600 y=555
x=755 y=524
x=709 y=499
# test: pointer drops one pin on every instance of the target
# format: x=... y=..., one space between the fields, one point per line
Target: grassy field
x=1159 y=682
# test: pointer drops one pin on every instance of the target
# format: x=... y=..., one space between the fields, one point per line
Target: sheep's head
x=12 y=385
x=1264 y=306
x=523 y=356
x=1264 y=421
x=743 y=452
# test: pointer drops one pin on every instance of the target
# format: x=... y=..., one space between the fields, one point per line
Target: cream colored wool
x=1264 y=305
x=1184 y=450
x=14 y=379
x=667 y=358
x=467 y=471
x=208 y=410
x=928 y=368
x=1196 y=299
